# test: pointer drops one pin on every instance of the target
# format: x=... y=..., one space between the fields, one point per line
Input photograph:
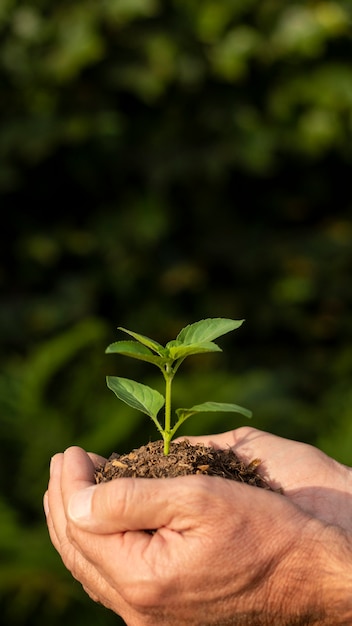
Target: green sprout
x=195 y=338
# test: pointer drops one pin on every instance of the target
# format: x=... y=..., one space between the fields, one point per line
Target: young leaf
x=136 y=395
x=181 y=351
x=146 y=341
x=207 y=330
x=222 y=407
x=184 y=414
x=207 y=407
x=135 y=350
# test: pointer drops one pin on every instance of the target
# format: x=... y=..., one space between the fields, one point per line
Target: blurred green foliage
x=162 y=162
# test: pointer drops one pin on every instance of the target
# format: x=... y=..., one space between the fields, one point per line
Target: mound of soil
x=149 y=461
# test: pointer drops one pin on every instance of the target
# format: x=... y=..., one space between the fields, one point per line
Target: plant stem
x=168 y=375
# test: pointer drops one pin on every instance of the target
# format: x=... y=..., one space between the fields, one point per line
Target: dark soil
x=183 y=459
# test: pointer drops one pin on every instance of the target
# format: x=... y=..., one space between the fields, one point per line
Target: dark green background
x=163 y=162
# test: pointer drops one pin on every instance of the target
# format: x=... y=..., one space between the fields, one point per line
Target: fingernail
x=80 y=504
x=46 y=504
x=52 y=465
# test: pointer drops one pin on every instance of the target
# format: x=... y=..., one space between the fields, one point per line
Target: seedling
x=195 y=338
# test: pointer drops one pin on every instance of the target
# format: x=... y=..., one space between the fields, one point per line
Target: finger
x=221 y=440
x=75 y=562
x=252 y=442
x=98 y=586
x=82 y=463
x=95 y=582
x=121 y=505
x=248 y=443
x=96 y=459
x=46 y=504
x=244 y=441
x=51 y=530
x=56 y=514
x=55 y=503
x=77 y=472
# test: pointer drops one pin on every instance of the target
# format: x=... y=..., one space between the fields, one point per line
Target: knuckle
x=245 y=431
x=147 y=594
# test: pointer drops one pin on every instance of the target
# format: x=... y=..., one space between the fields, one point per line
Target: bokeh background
x=162 y=162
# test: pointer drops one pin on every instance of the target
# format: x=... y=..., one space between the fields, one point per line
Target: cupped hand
x=217 y=552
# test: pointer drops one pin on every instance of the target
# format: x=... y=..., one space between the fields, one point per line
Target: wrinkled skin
x=221 y=552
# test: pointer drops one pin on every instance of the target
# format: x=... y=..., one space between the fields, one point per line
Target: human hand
x=222 y=552
x=312 y=480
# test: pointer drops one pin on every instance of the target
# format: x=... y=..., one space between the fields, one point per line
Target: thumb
x=125 y=504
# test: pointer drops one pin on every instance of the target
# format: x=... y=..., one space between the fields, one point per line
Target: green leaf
x=181 y=351
x=214 y=407
x=135 y=350
x=136 y=395
x=146 y=341
x=207 y=330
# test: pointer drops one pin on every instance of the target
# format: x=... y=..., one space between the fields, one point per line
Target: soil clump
x=183 y=459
